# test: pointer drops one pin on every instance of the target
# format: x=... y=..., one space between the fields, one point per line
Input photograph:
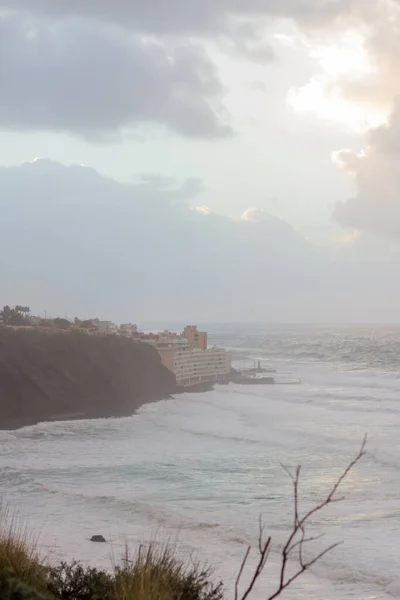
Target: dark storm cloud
x=96 y=81
x=191 y=16
x=97 y=68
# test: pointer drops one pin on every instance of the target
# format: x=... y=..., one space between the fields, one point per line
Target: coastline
x=60 y=418
x=48 y=378
x=80 y=416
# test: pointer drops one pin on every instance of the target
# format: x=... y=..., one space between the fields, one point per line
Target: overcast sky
x=223 y=160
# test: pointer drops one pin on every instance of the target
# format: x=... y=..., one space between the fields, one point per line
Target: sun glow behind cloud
x=338 y=62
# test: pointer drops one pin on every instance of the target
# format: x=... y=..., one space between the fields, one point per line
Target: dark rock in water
x=98 y=538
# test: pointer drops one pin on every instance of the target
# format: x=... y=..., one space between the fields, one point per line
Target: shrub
x=75 y=582
x=160 y=575
x=12 y=588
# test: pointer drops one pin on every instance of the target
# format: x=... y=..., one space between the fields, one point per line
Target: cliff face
x=47 y=376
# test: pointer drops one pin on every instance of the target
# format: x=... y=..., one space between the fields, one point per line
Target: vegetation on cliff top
x=15 y=316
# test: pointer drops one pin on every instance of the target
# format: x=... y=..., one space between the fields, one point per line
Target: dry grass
x=159 y=574
x=18 y=551
x=154 y=573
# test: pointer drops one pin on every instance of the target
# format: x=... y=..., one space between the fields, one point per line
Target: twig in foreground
x=297 y=538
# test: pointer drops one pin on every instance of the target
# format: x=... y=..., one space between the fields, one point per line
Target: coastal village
x=186 y=354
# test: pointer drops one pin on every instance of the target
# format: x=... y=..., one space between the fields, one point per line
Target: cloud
x=73 y=241
x=381 y=84
x=347 y=160
x=208 y=16
x=376 y=206
x=81 y=243
x=203 y=210
x=252 y=214
x=359 y=77
x=96 y=81
x=100 y=69
x=361 y=72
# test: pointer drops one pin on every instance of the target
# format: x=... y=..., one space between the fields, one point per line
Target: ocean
x=197 y=470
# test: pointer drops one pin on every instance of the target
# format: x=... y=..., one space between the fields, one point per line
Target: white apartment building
x=194 y=365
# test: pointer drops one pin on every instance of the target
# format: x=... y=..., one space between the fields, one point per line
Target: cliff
x=50 y=376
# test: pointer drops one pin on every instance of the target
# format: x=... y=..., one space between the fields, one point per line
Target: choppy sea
x=197 y=470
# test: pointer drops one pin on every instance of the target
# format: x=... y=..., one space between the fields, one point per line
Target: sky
x=214 y=161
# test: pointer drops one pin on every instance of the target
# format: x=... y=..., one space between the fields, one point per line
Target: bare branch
x=321 y=554
x=244 y=561
x=302 y=570
x=259 y=568
x=305 y=541
x=297 y=538
x=263 y=549
x=295 y=480
x=261 y=533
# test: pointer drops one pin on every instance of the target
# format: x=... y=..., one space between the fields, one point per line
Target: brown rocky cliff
x=49 y=376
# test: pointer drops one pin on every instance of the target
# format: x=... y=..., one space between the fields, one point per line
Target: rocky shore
x=56 y=376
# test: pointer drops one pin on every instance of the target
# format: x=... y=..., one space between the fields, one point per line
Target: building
x=192 y=365
x=196 y=339
x=106 y=327
x=128 y=329
x=168 y=339
x=168 y=357
x=164 y=339
x=188 y=357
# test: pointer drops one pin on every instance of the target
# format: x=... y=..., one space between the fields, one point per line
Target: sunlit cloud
x=202 y=210
x=339 y=62
x=347 y=160
x=346 y=238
